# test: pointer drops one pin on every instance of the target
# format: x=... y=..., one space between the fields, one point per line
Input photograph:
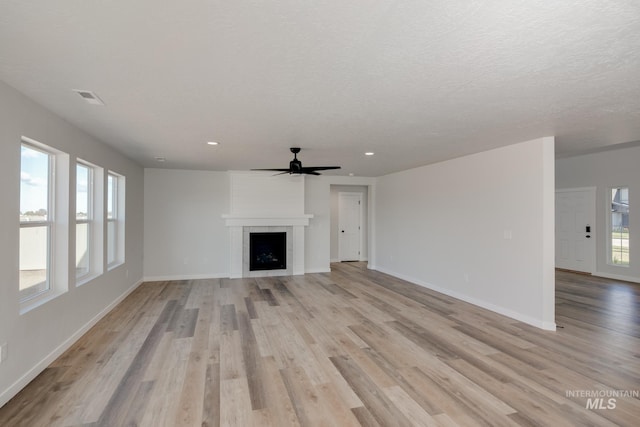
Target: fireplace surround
x=263 y=203
x=286 y=233
x=241 y=226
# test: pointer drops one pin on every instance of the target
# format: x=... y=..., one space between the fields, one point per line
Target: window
x=84 y=219
x=115 y=219
x=44 y=224
x=89 y=221
x=36 y=219
x=619 y=226
x=112 y=220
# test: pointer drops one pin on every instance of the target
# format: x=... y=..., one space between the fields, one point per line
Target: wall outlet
x=4 y=347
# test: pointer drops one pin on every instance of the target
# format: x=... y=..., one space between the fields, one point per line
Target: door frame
x=594 y=227
x=361 y=220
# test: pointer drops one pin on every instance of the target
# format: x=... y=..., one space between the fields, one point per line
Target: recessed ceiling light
x=351 y=174
x=212 y=143
x=369 y=153
x=160 y=159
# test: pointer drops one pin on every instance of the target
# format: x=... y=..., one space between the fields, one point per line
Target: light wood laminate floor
x=353 y=347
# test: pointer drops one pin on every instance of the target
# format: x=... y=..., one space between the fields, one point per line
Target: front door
x=349 y=227
x=575 y=229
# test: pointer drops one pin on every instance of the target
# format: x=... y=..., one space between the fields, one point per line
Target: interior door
x=575 y=229
x=349 y=226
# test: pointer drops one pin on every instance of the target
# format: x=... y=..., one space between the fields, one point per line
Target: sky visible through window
x=82 y=188
x=33 y=180
x=111 y=187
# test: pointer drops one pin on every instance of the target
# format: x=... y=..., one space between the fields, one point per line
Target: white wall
x=185 y=235
x=264 y=194
x=606 y=170
x=316 y=238
x=335 y=218
x=443 y=226
x=36 y=337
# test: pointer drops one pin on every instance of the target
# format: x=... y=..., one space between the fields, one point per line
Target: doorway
x=357 y=240
x=575 y=229
x=349 y=226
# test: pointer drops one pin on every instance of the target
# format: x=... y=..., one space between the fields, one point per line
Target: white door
x=349 y=226
x=575 y=229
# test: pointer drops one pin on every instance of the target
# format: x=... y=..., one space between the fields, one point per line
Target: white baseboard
x=337 y=260
x=186 y=277
x=617 y=277
x=22 y=382
x=318 y=270
x=549 y=326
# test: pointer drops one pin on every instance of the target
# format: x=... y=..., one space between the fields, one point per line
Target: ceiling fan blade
x=272 y=170
x=319 y=168
x=311 y=173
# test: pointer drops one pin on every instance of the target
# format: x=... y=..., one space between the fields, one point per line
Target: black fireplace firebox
x=267 y=251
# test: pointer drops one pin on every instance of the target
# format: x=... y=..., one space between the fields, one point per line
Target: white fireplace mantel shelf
x=243 y=220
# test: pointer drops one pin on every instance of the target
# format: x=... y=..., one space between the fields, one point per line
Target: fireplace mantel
x=235 y=220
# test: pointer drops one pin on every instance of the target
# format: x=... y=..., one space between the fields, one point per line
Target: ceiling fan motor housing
x=295 y=166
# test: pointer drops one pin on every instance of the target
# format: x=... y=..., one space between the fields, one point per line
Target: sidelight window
x=619 y=227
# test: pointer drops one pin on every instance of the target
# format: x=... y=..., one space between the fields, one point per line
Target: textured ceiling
x=414 y=81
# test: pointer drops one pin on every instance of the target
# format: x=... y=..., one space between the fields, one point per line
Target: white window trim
x=118 y=219
x=93 y=221
x=27 y=296
x=57 y=219
x=88 y=220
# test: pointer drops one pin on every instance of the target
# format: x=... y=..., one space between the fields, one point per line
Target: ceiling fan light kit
x=295 y=166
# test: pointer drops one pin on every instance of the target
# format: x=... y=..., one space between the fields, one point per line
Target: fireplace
x=269 y=262
x=262 y=203
x=267 y=251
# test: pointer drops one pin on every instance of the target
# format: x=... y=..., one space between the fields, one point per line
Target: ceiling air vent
x=89 y=96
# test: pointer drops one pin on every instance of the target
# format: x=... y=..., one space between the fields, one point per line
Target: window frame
x=58 y=220
x=48 y=223
x=116 y=218
x=89 y=220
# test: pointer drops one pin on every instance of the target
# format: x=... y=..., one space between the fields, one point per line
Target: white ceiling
x=414 y=81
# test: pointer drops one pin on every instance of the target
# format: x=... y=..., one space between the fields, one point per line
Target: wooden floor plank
x=378 y=404
x=211 y=397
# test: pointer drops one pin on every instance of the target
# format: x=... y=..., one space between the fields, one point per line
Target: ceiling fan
x=295 y=166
